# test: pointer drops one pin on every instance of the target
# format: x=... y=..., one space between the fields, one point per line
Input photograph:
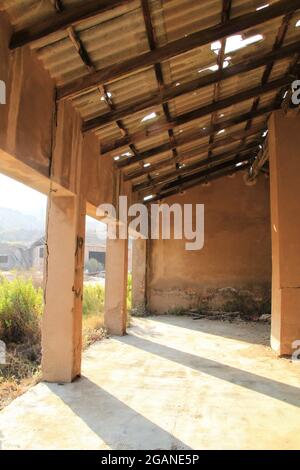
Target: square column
x=64 y=266
x=139 y=254
x=284 y=151
x=116 y=269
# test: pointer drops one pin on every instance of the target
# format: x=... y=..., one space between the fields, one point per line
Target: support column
x=139 y=249
x=116 y=268
x=284 y=150
x=62 y=320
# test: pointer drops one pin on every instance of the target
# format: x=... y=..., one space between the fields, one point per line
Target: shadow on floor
x=117 y=424
x=283 y=392
x=239 y=330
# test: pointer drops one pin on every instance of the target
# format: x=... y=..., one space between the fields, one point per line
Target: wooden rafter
x=225 y=16
x=221 y=104
x=192 y=167
x=232 y=138
x=281 y=34
x=83 y=54
x=180 y=46
x=108 y=147
x=65 y=18
x=168 y=93
x=157 y=66
x=190 y=181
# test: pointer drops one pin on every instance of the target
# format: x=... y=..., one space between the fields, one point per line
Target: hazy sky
x=17 y=196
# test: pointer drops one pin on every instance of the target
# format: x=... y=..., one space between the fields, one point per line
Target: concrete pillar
x=116 y=268
x=284 y=150
x=139 y=250
x=62 y=320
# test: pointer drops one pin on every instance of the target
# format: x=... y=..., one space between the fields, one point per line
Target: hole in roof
x=117 y=157
x=148 y=117
x=108 y=94
x=146 y=165
x=215 y=67
x=127 y=154
x=236 y=42
x=147 y=198
x=298 y=24
x=240 y=163
x=221 y=131
x=266 y=5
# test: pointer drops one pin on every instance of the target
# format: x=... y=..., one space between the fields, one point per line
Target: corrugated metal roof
x=119 y=34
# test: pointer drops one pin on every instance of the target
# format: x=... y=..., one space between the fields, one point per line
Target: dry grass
x=20 y=310
x=92 y=330
x=22 y=371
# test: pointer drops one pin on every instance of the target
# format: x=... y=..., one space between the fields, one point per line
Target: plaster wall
x=233 y=270
x=27 y=118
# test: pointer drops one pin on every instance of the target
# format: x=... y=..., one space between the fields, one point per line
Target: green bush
x=21 y=307
x=93 y=266
x=93 y=299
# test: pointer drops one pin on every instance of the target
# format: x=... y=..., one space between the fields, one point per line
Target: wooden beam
x=224 y=169
x=112 y=146
x=209 y=171
x=169 y=93
x=209 y=161
x=84 y=56
x=218 y=105
x=234 y=137
x=58 y=22
x=280 y=37
x=225 y=16
x=157 y=67
x=180 y=46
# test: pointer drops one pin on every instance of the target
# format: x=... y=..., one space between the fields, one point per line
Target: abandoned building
x=163 y=101
x=13 y=256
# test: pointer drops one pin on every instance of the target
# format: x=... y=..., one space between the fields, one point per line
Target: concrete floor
x=172 y=383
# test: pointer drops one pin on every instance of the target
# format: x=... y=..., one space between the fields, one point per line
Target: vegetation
x=21 y=306
x=93 y=266
x=93 y=299
x=93 y=314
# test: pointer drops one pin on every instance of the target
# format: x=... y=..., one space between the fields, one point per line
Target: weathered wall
x=233 y=270
x=26 y=120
